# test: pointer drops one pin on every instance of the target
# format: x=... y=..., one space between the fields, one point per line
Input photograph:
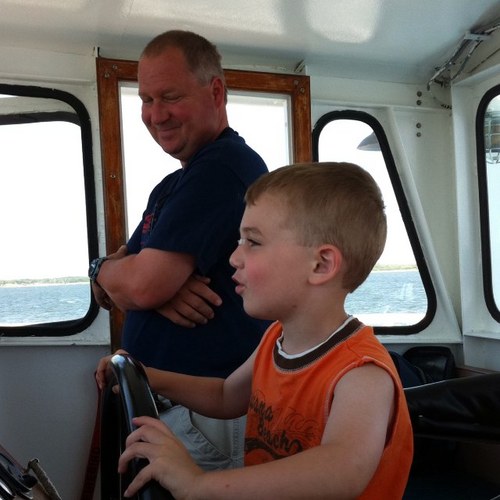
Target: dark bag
x=409 y=374
x=424 y=365
x=436 y=362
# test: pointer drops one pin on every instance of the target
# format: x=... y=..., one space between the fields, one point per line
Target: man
x=190 y=224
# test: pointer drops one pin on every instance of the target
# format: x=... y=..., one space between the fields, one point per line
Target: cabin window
x=47 y=216
x=255 y=116
x=488 y=163
x=397 y=297
x=260 y=105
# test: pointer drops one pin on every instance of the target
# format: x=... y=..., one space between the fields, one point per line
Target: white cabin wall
x=48 y=400
x=481 y=331
x=426 y=167
x=38 y=66
x=47 y=391
x=419 y=152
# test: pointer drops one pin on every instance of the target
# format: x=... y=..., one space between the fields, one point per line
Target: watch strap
x=95 y=267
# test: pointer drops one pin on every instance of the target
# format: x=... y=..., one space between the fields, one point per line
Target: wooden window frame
x=111 y=72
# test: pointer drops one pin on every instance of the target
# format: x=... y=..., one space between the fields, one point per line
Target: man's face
x=181 y=114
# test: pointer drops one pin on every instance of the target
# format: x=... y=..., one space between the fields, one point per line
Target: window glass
x=43 y=216
x=263 y=120
x=489 y=193
x=394 y=293
x=288 y=95
x=255 y=116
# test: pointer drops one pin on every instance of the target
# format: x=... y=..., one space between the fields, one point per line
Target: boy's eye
x=247 y=241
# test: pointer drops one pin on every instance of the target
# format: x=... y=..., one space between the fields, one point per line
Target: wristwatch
x=95 y=267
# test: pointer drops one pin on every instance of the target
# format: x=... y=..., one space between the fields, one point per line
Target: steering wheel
x=133 y=400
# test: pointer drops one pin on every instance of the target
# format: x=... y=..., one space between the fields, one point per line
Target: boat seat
x=465 y=408
x=456 y=426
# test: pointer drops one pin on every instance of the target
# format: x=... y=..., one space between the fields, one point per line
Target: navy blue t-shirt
x=197 y=210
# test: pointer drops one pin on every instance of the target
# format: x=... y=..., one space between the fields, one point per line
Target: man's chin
x=174 y=152
x=169 y=142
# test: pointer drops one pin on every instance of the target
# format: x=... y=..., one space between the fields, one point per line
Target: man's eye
x=171 y=99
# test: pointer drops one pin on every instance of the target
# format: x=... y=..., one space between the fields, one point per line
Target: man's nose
x=159 y=113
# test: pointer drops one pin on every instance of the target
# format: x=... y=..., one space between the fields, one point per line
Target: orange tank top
x=291 y=400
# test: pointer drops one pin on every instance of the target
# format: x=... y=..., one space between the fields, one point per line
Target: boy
x=321 y=392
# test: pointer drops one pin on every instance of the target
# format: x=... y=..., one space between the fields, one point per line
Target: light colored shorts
x=213 y=444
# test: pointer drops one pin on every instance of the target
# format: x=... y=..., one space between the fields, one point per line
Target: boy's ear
x=327 y=265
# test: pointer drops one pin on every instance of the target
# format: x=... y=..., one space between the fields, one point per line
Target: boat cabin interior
x=409 y=90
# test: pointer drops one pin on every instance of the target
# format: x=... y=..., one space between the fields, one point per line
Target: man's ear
x=327 y=265
x=218 y=90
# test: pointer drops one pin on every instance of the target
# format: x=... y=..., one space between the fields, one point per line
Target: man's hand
x=119 y=254
x=193 y=304
x=102 y=366
x=100 y=295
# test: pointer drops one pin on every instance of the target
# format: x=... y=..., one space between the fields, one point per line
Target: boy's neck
x=299 y=336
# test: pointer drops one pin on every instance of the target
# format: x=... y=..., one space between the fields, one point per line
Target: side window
x=260 y=105
x=398 y=296
x=488 y=164
x=47 y=212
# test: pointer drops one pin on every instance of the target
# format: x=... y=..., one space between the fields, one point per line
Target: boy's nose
x=235 y=258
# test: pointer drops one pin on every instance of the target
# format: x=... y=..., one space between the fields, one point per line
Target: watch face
x=93 y=268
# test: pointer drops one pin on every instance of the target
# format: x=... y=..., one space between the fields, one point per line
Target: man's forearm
x=117 y=277
x=146 y=280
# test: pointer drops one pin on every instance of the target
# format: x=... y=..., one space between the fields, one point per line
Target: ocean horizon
x=386 y=297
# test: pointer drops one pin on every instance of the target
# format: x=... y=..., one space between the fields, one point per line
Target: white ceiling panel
x=399 y=40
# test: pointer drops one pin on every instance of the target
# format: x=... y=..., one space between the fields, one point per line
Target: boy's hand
x=193 y=304
x=169 y=462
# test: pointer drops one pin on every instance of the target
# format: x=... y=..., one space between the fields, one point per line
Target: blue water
x=43 y=304
x=389 y=292
x=387 y=297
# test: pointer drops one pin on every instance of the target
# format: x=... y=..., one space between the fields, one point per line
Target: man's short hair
x=202 y=56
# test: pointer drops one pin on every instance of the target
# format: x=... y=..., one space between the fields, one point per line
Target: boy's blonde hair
x=331 y=203
x=202 y=57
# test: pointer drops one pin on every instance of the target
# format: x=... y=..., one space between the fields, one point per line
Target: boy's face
x=271 y=267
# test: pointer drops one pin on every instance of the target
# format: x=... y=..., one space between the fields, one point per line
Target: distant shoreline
x=72 y=280
x=395 y=267
x=81 y=280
